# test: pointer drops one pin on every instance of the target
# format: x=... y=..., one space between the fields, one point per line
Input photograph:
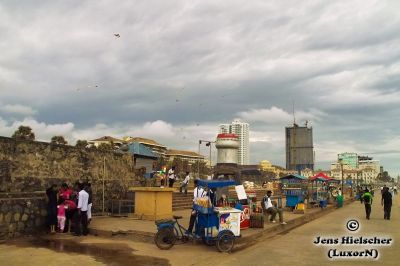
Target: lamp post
x=341 y=171
x=208 y=144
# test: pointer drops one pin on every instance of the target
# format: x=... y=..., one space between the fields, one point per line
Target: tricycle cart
x=214 y=225
x=295 y=189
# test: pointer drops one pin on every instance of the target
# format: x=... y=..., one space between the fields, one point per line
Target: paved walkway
x=297 y=248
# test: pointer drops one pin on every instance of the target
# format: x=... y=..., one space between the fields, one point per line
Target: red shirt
x=71 y=204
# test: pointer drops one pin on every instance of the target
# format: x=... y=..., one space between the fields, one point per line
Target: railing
x=122 y=207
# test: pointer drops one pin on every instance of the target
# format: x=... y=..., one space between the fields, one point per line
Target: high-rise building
x=349 y=158
x=242 y=130
x=299 y=148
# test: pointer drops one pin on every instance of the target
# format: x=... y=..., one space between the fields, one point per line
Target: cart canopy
x=216 y=183
x=295 y=176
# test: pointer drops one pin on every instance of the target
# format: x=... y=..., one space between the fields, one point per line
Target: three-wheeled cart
x=295 y=189
x=214 y=225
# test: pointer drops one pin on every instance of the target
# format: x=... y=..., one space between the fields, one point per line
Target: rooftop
x=143 y=141
x=108 y=138
x=184 y=153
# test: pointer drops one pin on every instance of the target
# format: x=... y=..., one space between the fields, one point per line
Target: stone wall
x=29 y=166
x=21 y=213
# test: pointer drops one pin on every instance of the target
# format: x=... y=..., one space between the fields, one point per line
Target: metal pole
x=198 y=163
x=341 y=166
x=210 y=157
x=104 y=175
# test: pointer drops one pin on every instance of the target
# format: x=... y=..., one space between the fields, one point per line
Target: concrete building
x=349 y=158
x=156 y=147
x=242 y=130
x=189 y=156
x=143 y=156
x=106 y=140
x=299 y=148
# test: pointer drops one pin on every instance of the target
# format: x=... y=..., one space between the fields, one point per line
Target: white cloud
x=18 y=109
x=275 y=115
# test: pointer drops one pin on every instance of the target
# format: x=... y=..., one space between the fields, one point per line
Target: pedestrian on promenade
x=171 y=176
x=269 y=208
x=52 y=221
x=367 y=198
x=81 y=221
x=386 y=203
x=70 y=213
x=198 y=192
x=61 y=214
x=185 y=184
x=88 y=189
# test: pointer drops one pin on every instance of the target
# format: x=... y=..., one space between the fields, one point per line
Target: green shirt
x=367 y=197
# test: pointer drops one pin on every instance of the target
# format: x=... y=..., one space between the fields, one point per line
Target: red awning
x=320 y=176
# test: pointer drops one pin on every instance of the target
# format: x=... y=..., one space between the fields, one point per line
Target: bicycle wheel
x=225 y=241
x=165 y=238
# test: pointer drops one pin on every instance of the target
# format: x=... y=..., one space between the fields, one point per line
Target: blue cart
x=217 y=226
x=295 y=189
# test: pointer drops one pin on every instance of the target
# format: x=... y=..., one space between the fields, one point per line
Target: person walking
x=386 y=203
x=185 y=183
x=52 y=221
x=82 y=221
x=367 y=198
x=171 y=176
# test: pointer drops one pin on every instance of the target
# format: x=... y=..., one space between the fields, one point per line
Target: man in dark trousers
x=367 y=198
x=386 y=203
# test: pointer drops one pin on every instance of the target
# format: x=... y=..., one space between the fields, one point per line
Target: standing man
x=367 y=198
x=386 y=203
x=83 y=201
x=88 y=189
x=185 y=183
x=198 y=192
x=171 y=176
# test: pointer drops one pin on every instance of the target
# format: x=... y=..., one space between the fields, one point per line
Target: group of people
x=69 y=209
x=172 y=178
x=386 y=201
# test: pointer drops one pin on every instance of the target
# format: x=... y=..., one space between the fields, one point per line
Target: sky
x=178 y=69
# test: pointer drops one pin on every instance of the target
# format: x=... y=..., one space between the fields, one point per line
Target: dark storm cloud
x=181 y=68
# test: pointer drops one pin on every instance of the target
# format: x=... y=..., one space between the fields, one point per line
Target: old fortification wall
x=28 y=168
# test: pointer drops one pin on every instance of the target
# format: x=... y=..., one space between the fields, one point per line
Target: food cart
x=218 y=225
x=294 y=187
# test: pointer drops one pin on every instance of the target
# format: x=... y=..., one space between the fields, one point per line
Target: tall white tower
x=242 y=130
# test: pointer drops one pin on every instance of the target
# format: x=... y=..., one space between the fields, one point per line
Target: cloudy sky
x=180 y=68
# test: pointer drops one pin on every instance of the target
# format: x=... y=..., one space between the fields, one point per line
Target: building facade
x=299 y=148
x=159 y=149
x=349 y=158
x=242 y=130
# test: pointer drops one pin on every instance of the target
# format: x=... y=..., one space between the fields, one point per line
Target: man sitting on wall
x=269 y=208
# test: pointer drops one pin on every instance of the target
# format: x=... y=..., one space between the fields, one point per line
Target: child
x=61 y=214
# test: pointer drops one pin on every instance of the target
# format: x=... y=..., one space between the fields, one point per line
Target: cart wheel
x=225 y=241
x=165 y=238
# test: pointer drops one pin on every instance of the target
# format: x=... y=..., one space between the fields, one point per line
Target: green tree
x=105 y=147
x=81 y=144
x=24 y=133
x=60 y=140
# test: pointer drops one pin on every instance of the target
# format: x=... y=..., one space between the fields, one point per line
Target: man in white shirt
x=269 y=208
x=185 y=183
x=171 y=176
x=83 y=201
x=198 y=192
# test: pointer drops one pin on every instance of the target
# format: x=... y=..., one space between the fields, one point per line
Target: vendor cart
x=294 y=188
x=214 y=225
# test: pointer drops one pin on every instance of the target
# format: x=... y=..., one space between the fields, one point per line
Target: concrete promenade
x=144 y=231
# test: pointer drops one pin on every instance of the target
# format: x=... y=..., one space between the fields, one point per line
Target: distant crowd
x=69 y=209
